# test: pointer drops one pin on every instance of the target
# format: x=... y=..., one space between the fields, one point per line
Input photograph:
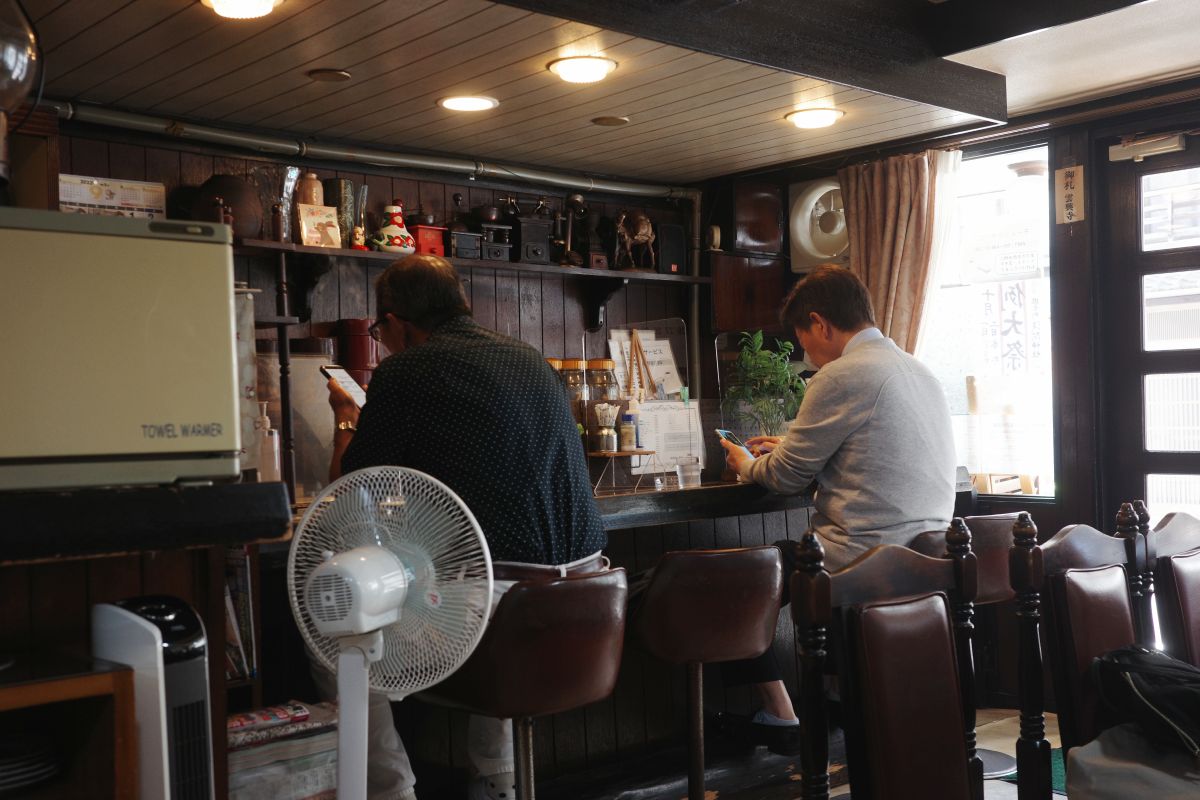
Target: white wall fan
x=817 y=224
x=390 y=581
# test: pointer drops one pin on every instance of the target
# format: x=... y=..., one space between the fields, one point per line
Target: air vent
x=190 y=768
x=330 y=598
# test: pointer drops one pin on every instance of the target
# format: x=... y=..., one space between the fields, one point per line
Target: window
x=986 y=326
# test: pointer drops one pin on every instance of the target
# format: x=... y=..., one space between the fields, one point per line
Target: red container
x=431 y=239
x=356 y=349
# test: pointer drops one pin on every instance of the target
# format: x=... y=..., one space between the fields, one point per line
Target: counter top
x=39 y=526
x=711 y=500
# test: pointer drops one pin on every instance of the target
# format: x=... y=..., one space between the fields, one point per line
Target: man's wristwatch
x=345 y=425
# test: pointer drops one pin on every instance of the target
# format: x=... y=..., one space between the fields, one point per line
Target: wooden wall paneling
x=89 y=157
x=431 y=196
x=64 y=156
x=628 y=697
x=508 y=304
x=529 y=292
x=407 y=190
x=573 y=324
x=635 y=303
x=114 y=578
x=59 y=607
x=162 y=165
x=16 y=621
x=324 y=304
x=482 y=291
x=355 y=298
x=379 y=194
x=553 y=327
x=171 y=572
x=126 y=161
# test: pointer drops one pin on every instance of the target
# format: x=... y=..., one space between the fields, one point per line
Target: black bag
x=1149 y=687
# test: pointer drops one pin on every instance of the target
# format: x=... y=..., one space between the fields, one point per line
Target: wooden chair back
x=1089 y=612
x=901 y=622
x=991 y=539
x=1176 y=572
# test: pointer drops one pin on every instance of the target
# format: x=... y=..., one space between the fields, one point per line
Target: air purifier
x=163 y=640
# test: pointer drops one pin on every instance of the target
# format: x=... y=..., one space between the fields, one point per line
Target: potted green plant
x=763 y=392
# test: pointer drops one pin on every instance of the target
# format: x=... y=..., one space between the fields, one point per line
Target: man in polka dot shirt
x=486 y=415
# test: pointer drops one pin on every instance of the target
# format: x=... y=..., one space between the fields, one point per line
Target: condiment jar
x=626 y=433
x=602 y=380
x=577 y=390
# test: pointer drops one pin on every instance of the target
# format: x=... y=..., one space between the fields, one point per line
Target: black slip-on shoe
x=782 y=740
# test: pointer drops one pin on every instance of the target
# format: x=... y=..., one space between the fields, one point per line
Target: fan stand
x=354 y=663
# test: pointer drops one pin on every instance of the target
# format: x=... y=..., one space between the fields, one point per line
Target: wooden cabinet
x=758 y=219
x=747 y=292
x=85 y=710
x=33 y=159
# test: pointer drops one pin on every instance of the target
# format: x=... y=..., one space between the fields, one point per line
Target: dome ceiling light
x=468 y=103
x=814 y=117
x=582 y=69
x=242 y=9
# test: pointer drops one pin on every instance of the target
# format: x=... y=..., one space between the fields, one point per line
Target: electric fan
x=391 y=585
x=817 y=221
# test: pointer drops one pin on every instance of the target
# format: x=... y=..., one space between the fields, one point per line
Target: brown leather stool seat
x=705 y=606
x=552 y=645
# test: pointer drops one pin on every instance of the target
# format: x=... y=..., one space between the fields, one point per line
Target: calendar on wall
x=80 y=194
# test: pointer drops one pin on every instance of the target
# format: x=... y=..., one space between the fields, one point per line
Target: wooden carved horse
x=642 y=235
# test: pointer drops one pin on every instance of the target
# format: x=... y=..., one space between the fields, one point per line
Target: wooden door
x=1150 y=357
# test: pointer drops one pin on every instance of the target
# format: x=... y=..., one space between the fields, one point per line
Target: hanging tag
x=1068 y=195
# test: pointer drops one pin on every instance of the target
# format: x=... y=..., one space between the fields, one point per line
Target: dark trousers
x=765 y=668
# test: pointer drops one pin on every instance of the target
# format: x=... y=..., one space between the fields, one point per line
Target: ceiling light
x=467 y=103
x=242 y=9
x=610 y=122
x=328 y=75
x=582 y=69
x=814 y=117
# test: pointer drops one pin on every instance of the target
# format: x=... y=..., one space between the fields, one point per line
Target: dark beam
x=959 y=25
x=875 y=45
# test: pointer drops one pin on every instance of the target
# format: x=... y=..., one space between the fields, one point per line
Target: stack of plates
x=25 y=762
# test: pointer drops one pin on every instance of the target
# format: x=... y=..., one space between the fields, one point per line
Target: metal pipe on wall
x=277 y=145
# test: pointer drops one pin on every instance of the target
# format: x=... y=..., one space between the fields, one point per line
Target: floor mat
x=1058 y=772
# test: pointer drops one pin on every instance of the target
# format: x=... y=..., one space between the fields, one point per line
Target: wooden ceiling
x=692 y=115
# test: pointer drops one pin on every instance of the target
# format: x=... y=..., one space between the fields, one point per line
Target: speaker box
x=672 y=249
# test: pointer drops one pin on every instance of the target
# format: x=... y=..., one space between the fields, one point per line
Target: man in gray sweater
x=873 y=432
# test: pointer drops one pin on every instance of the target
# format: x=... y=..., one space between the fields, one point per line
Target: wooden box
x=431 y=239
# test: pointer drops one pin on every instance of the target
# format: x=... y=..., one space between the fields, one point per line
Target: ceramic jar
x=309 y=190
x=393 y=237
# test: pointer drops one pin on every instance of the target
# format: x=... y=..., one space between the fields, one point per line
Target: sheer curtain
x=891 y=220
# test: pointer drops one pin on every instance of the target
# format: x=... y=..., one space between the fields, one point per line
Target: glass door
x=1150 y=365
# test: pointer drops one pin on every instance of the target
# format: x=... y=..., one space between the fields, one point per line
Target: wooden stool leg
x=695 y=674
x=523 y=741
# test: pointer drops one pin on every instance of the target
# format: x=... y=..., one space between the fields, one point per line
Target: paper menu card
x=671 y=429
x=660 y=360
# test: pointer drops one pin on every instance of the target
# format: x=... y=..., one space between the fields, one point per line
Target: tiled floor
x=996 y=729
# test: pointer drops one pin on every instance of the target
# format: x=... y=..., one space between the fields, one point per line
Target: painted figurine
x=393 y=237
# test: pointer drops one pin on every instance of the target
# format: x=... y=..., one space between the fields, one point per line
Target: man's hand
x=735 y=456
x=761 y=445
x=343 y=405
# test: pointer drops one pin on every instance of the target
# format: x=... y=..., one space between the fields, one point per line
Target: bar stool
x=705 y=606
x=552 y=646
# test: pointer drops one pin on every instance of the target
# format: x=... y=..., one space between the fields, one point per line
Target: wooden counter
x=710 y=501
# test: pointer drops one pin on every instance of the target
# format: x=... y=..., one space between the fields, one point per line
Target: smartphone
x=732 y=438
x=346 y=382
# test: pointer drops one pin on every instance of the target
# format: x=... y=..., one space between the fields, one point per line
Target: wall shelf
x=263 y=247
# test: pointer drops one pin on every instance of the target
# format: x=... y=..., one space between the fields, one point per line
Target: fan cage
x=433 y=533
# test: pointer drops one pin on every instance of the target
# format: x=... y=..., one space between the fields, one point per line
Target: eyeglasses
x=374 y=329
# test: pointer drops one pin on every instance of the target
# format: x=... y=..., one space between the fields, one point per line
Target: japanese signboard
x=1068 y=195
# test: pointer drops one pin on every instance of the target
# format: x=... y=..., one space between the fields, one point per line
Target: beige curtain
x=889 y=214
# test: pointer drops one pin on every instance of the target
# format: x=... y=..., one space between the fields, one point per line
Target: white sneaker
x=493 y=787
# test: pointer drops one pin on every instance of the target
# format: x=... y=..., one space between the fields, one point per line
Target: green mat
x=1058 y=772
